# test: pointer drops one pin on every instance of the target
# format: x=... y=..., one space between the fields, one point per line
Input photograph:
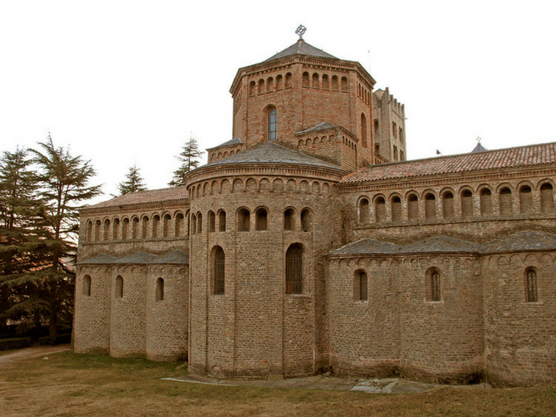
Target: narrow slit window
x=159 y=289
x=272 y=125
x=219 y=270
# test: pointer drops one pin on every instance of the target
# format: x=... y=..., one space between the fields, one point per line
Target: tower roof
x=301 y=48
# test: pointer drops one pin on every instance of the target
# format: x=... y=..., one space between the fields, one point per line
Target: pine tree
x=21 y=247
x=46 y=285
x=189 y=158
x=133 y=183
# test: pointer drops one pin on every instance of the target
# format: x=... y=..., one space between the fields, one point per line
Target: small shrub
x=15 y=343
x=47 y=340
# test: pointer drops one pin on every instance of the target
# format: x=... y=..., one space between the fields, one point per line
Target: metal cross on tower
x=300 y=31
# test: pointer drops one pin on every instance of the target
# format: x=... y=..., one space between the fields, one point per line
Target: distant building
x=309 y=243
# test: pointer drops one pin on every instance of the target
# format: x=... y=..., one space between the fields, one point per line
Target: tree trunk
x=53 y=325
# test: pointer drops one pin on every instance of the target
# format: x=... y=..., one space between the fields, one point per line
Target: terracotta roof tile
x=142 y=197
x=478 y=161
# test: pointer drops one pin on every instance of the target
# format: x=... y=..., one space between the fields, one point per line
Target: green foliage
x=15 y=343
x=134 y=182
x=39 y=223
x=189 y=158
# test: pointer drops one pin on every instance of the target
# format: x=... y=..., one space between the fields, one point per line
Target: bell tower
x=309 y=100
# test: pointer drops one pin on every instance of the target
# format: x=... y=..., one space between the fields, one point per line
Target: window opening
x=261 y=219
x=294 y=269
x=243 y=220
x=159 y=289
x=222 y=221
x=289 y=219
x=532 y=286
x=219 y=265
x=272 y=125
x=87 y=286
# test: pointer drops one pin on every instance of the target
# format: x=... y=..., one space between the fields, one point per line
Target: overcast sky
x=127 y=82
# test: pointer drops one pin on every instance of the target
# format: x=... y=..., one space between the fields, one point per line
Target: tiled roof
x=234 y=141
x=441 y=244
x=320 y=126
x=272 y=153
x=176 y=257
x=366 y=246
x=528 y=240
x=141 y=197
x=502 y=158
x=302 y=48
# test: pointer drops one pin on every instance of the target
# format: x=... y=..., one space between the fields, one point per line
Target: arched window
x=87 y=286
x=243 y=220
x=325 y=83
x=344 y=84
x=199 y=223
x=486 y=202
x=396 y=209
x=288 y=80
x=448 y=205
x=97 y=230
x=413 y=207
x=506 y=202
x=144 y=227
x=279 y=80
x=547 y=198
x=116 y=229
x=306 y=79
x=306 y=220
x=106 y=230
x=289 y=219
x=294 y=269
x=167 y=221
x=252 y=88
x=221 y=221
x=269 y=84
x=360 y=286
x=315 y=80
x=430 y=206
x=525 y=199
x=218 y=270
x=335 y=82
x=212 y=222
x=272 y=125
x=261 y=86
x=179 y=224
x=433 y=285
x=135 y=228
x=125 y=229
x=193 y=224
x=380 y=209
x=364 y=211
x=89 y=236
x=159 y=296
x=363 y=130
x=466 y=203
x=156 y=225
x=531 y=285
x=261 y=219
x=119 y=293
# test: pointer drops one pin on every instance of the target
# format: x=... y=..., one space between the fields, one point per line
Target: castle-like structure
x=308 y=242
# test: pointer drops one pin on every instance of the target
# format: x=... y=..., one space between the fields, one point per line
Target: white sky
x=125 y=82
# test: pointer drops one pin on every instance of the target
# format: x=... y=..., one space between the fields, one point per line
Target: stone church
x=308 y=243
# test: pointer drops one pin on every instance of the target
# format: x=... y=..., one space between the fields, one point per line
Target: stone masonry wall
x=254 y=328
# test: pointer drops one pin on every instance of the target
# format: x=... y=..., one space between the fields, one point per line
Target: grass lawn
x=72 y=385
